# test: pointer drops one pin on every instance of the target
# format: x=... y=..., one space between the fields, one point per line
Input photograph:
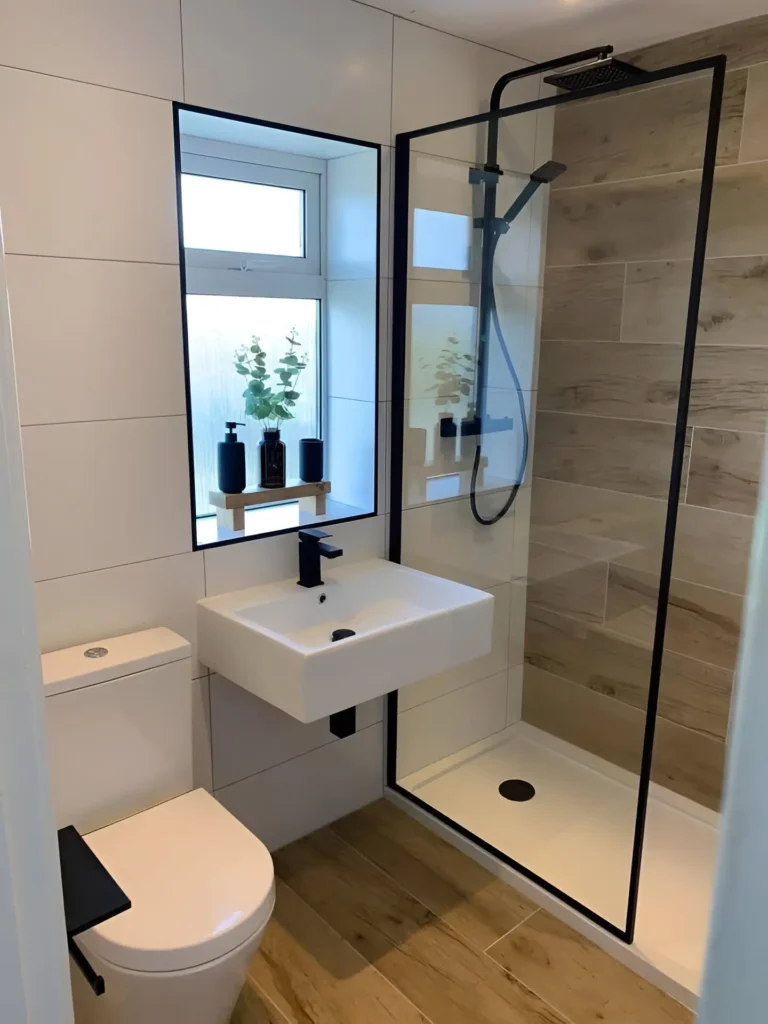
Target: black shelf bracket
x=91 y=896
x=343 y=723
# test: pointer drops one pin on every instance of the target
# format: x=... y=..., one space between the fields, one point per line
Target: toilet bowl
x=201 y=885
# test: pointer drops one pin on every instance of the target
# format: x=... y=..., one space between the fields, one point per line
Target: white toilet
x=121 y=716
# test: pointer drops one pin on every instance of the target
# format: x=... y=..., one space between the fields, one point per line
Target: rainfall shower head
x=596 y=72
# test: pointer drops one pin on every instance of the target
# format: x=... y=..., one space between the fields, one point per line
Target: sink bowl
x=398 y=625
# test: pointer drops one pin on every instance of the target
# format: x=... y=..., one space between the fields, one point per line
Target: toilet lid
x=199 y=883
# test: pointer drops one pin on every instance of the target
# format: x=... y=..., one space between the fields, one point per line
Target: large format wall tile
x=687 y=762
x=442 y=726
x=622 y=455
x=583 y=302
x=564 y=582
x=111 y=331
x=93 y=606
x=738 y=224
x=439 y=78
x=754 y=144
x=91 y=172
x=306 y=793
x=734 y=301
x=104 y=494
x=730 y=388
x=250 y=735
x=648 y=131
x=702 y=623
x=725 y=470
x=743 y=42
x=645 y=219
x=610 y=379
x=692 y=693
x=327 y=67
x=134 y=46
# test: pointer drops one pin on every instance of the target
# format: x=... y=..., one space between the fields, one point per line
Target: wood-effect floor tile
x=458 y=890
x=312 y=975
x=583 y=982
x=446 y=977
x=253 y=1008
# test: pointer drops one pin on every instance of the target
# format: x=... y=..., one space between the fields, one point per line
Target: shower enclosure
x=539 y=451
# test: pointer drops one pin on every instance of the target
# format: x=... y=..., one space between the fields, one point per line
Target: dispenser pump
x=231 y=436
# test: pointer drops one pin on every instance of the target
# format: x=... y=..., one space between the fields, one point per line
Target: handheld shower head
x=547 y=173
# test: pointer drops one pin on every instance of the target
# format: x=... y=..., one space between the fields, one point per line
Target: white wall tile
x=276 y=558
x=470 y=672
x=202 y=761
x=439 y=78
x=306 y=793
x=522 y=533
x=95 y=340
x=385 y=420
x=444 y=539
x=515 y=694
x=351 y=344
x=350 y=451
x=109 y=493
x=324 y=66
x=134 y=46
x=386 y=199
x=251 y=735
x=91 y=606
x=517 y=610
x=434 y=730
x=90 y=172
x=352 y=215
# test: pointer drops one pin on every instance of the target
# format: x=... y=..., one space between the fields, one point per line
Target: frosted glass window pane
x=240 y=216
x=218 y=325
x=441 y=240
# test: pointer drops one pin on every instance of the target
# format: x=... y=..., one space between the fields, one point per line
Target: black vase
x=311 y=459
x=272 y=460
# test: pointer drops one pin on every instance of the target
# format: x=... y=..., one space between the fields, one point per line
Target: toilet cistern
x=311 y=549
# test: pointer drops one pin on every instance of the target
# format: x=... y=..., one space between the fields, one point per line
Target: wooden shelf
x=230 y=508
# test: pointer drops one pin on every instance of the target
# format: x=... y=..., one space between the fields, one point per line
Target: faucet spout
x=311 y=550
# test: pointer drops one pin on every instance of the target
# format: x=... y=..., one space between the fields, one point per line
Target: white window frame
x=214 y=272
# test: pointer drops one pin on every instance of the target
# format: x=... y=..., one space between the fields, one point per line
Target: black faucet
x=310 y=550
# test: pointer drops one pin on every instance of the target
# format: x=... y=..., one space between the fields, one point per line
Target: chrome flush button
x=96 y=652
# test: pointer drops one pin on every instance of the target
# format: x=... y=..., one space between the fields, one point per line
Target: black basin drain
x=341 y=634
x=517 y=789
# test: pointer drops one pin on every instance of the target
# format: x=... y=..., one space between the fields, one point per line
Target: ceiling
x=540 y=29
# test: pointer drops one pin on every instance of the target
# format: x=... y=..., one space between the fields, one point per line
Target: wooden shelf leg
x=231 y=518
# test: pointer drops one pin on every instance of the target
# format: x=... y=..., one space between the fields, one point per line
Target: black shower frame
x=717 y=66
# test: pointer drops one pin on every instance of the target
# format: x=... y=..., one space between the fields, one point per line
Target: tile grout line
x=506 y=935
x=348 y=944
x=687 y=171
x=652 y=259
x=272 y=1005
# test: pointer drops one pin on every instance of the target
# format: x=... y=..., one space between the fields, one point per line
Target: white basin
x=275 y=640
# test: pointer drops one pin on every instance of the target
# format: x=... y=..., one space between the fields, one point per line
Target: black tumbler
x=310 y=459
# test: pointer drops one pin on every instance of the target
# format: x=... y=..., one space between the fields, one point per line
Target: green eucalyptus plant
x=271 y=405
x=455 y=374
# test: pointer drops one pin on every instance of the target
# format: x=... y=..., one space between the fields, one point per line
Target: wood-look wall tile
x=645 y=219
x=730 y=388
x=648 y=131
x=436 y=968
x=738 y=223
x=725 y=470
x=565 y=582
x=687 y=762
x=462 y=893
x=583 y=302
x=754 y=143
x=580 y=979
x=309 y=973
x=604 y=378
x=702 y=623
x=711 y=548
x=734 y=302
x=620 y=455
x=692 y=694
x=743 y=42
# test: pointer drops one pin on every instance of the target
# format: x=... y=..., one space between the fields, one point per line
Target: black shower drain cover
x=517 y=789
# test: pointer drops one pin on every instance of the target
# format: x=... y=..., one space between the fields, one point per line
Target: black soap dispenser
x=232 y=462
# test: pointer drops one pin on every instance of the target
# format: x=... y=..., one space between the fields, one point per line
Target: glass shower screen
x=540 y=420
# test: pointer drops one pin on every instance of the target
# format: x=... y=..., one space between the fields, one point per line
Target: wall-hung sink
x=276 y=640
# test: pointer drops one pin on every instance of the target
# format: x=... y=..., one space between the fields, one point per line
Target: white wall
x=87 y=190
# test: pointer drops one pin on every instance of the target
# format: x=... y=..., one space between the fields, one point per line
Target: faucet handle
x=313 y=535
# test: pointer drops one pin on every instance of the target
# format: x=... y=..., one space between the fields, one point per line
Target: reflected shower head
x=547 y=173
x=596 y=72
